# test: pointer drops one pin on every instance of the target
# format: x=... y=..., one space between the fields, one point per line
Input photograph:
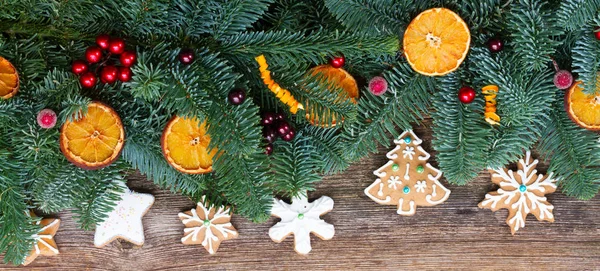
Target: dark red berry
x=279 y=116
x=93 y=54
x=338 y=62
x=124 y=74
x=88 y=80
x=283 y=128
x=597 y=32
x=268 y=118
x=116 y=46
x=79 y=67
x=128 y=58
x=108 y=75
x=466 y=95
x=237 y=96
x=186 y=56
x=102 y=41
x=563 y=79
x=270 y=134
x=495 y=45
x=289 y=136
x=269 y=149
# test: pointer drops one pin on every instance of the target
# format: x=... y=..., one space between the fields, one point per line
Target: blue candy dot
x=522 y=188
x=406 y=189
x=407 y=140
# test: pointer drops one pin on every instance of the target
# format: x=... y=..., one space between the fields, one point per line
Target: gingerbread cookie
x=300 y=219
x=44 y=240
x=521 y=193
x=125 y=221
x=207 y=226
x=407 y=180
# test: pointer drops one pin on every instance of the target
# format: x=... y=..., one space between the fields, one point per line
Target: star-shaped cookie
x=125 y=221
x=207 y=226
x=44 y=244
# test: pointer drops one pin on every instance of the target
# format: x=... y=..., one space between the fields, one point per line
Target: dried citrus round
x=185 y=145
x=9 y=79
x=583 y=108
x=95 y=140
x=338 y=78
x=436 y=42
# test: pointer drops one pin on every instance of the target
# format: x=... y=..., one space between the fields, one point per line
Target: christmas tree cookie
x=407 y=180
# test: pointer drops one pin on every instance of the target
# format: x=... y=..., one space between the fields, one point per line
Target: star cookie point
x=44 y=240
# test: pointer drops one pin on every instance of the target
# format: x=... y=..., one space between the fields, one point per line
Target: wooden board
x=455 y=235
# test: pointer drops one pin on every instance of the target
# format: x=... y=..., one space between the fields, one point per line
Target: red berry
x=279 y=117
x=186 y=56
x=289 y=136
x=597 y=32
x=108 y=75
x=269 y=149
x=93 y=54
x=128 y=58
x=563 y=79
x=283 y=128
x=378 y=85
x=79 y=67
x=102 y=41
x=495 y=45
x=46 y=118
x=237 y=96
x=124 y=74
x=87 y=80
x=116 y=46
x=269 y=134
x=337 y=62
x=268 y=118
x=466 y=95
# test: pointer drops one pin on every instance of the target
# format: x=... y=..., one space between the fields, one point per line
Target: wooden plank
x=455 y=235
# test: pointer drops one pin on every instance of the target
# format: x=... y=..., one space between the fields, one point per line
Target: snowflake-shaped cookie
x=301 y=218
x=44 y=240
x=207 y=226
x=521 y=193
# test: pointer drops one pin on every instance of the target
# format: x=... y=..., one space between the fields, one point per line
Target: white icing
x=301 y=228
x=420 y=186
x=425 y=155
x=393 y=154
x=409 y=151
x=380 y=192
x=406 y=177
x=393 y=182
x=376 y=199
x=415 y=140
x=125 y=221
x=410 y=211
x=209 y=237
x=42 y=238
x=526 y=175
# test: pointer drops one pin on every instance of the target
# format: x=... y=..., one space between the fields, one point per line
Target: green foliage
x=586 y=61
x=575 y=14
x=295 y=164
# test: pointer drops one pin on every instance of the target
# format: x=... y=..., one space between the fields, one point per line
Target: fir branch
x=294 y=165
x=575 y=14
x=460 y=133
x=372 y=17
x=325 y=142
x=586 y=60
x=573 y=152
x=232 y=17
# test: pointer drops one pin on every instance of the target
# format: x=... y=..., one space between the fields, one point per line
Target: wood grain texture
x=455 y=235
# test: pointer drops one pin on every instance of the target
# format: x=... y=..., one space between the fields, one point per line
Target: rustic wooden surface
x=454 y=235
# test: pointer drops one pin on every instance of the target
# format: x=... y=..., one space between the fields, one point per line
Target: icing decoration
x=409 y=151
x=489 y=93
x=207 y=226
x=44 y=239
x=428 y=190
x=521 y=193
x=284 y=95
x=125 y=221
x=300 y=219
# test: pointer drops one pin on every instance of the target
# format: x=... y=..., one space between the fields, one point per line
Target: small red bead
x=338 y=62
x=116 y=46
x=125 y=74
x=79 y=67
x=597 y=32
x=102 y=41
x=269 y=149
x=289 y=136
x=128 y=58
x=186 y=56
x=495 y=45
x=466 y=94
x=93 y=54
x=378 y=85
x=268 y=118
x=88 y=80
x=46 y=118
x=236 y=96
x=108 y=75
x=283 y=128
x=269 y=134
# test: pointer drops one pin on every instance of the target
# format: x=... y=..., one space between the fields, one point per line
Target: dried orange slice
x=94 y=141
x=185 y=146
x=436 y=42
x=583 y=108
x=9 y=79
x=338 y=78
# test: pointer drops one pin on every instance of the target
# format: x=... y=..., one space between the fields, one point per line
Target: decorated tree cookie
x=300 y=219
x=207 y=226
x=125 y=221
x=407 y=180
x=44 y=240
x=521 y=193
